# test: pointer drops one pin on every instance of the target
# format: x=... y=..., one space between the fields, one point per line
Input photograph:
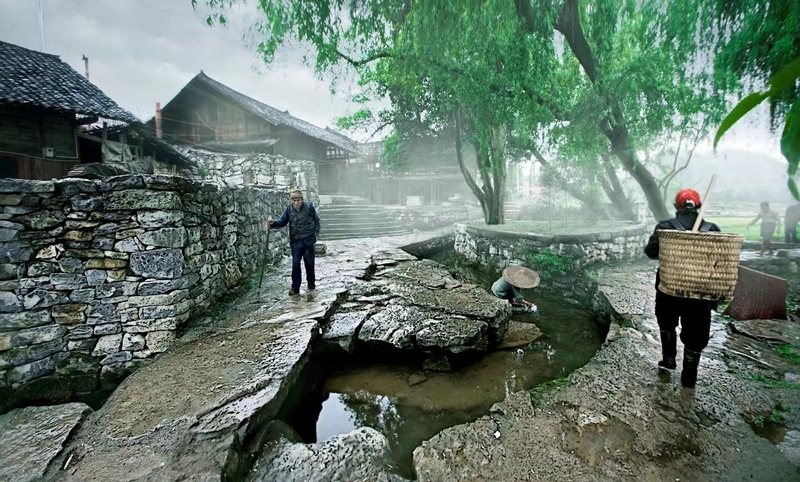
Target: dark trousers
x=303 y=249
x=790 y=232
x=694 y=316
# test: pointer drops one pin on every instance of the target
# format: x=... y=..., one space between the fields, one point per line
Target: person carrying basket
x=694 y=314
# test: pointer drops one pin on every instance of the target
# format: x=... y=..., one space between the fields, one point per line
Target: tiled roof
x=37 y=79
x=278 y=117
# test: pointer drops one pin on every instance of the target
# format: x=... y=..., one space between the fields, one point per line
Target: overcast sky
x=144 y=51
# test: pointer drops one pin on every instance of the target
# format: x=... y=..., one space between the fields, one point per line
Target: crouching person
x=509 y=286
x=304 y=226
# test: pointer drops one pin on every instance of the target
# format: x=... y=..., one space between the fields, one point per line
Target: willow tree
x=450 y=68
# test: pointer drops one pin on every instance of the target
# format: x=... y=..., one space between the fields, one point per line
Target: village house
x=209 y=116
x=54 y=122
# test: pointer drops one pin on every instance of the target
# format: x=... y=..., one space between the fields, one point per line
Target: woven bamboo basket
x=702 y=266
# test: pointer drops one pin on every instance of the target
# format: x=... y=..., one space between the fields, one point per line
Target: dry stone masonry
x=276 y=172
x=96 y=277
x=499 y=249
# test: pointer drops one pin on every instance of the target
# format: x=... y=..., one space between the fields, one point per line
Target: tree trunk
x=568 y=23
x=615 y=192
x=493 y=175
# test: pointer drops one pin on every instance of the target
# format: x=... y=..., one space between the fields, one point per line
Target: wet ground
x=409 y=405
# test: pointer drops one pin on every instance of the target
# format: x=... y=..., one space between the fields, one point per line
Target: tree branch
x=460 y=157
x=366 y=60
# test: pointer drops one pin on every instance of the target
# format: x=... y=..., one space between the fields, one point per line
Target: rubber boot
x=668 y=350
x=691 y=360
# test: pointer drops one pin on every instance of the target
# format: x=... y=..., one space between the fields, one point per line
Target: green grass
x=557 y=227
x=790 y=352
x=539 y=390
x=772 y=383
x=739 y=226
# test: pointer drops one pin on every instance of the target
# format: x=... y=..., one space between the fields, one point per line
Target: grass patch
x=790 y=352
x=557 y=227
x=541 y=389
x=777 y=415
x=739 y=226
x=772 y=383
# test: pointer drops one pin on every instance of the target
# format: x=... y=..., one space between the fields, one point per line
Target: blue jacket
x=303 y=223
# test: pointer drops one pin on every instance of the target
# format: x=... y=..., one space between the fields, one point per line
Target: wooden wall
x=24 y=131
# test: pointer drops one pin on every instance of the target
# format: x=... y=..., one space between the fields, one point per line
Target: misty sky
x=144 y=51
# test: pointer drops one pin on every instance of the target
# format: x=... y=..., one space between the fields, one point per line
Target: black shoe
x=691 y=360
x=294 y=292
x=668 y=350
x=312 y=287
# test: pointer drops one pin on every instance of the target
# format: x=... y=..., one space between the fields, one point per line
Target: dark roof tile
x=34 y=78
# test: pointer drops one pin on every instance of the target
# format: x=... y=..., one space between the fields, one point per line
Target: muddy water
x=409 y=405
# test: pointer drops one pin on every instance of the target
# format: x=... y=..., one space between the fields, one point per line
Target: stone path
x=619 y=419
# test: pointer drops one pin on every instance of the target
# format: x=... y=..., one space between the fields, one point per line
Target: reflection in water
x=390 y=398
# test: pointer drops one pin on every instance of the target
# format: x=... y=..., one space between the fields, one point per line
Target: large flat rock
x=185 y=414
x=33 y=437
x=362 y=454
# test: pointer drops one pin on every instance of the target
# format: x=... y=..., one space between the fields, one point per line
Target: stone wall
x=498 y=249
x=96 y=276
x=275 y=172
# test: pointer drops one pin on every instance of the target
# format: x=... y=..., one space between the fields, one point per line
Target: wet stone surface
x=34 y=436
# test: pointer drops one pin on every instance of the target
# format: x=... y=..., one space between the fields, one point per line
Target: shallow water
x=409 y=405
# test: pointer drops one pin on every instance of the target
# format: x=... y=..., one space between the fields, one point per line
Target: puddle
x=768 y=425
x=409 y=405
x=706 y=420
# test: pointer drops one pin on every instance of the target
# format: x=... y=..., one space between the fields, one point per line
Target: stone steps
x=359 y=221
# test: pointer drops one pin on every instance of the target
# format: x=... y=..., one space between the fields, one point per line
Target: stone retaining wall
x=97 y=276
x=498 y=249
x=275 y=172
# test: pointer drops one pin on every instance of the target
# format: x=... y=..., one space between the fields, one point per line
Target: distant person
x=694 y=315
x=770 y=223
x=790 y=221
x=303 y=224
x=510 y=285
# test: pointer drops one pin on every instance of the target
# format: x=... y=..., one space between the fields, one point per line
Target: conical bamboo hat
x=521 y=277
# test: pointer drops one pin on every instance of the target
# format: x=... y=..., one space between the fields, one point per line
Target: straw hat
x=521 y=277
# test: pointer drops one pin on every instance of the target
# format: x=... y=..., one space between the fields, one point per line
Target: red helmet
x=687 y=199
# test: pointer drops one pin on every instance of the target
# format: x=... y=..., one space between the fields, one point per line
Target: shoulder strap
x=676 y=224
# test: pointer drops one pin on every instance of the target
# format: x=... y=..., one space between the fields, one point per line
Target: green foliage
x=202 y=172
x=790 y=352
x=776 y=416
x=547 y=262
x=772 y=383
x=549 y=386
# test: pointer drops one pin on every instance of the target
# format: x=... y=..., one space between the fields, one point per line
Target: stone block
x=25 y=319
x=27 y=354
x=107 y=345
x=50 y=252
x=160 y=341
x=15 y=252
x=136 y=199
x=151 y=312
x=25 y=373
x=87 y=202
x=8 y=271
x=119 y=357
x=67 y=281
x=82 y=296
x=107 y=329
x=9 y=302
x=95 y=277
x=85 y=345
x=106 y=263
x=43 y=299
x=164 y=237
x=37 y=335
x=10 y=199
x=157 y=219
x=146 y=326
x=158 y=263
x=70 y=314
x=133 y=342
x=129 y=245
x=41 y=220
x=80 y=332
x=100 y=313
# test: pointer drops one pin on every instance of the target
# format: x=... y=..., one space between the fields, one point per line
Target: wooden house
x=48 y=113
x=208 y=115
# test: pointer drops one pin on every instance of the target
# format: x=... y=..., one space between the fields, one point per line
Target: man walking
x=790 y=221
x=303 y=224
